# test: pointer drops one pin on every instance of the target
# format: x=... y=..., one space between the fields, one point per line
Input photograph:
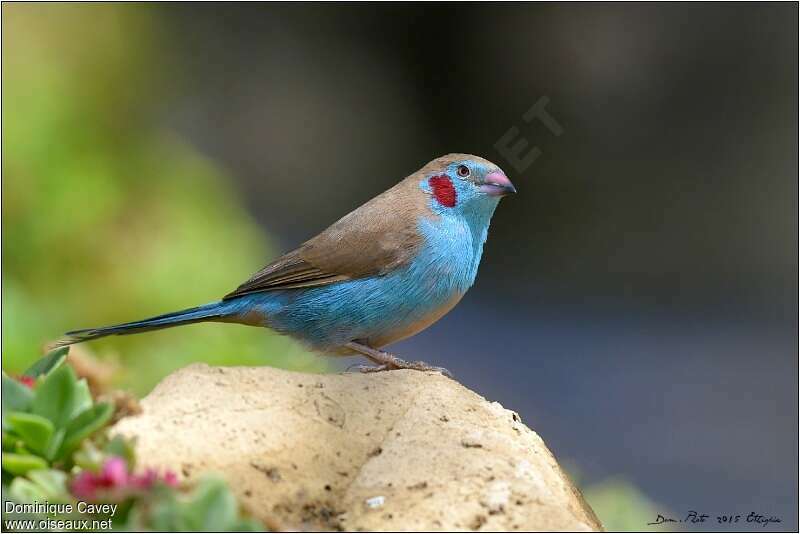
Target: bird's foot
x=388 y=362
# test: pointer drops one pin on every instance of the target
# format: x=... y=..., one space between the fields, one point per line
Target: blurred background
x=637 y=301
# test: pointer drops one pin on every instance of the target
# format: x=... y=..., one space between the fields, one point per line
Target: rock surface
x=399 y=450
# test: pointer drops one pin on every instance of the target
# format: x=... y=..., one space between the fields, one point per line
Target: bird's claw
x=397 y=363
x=358 y=368
x=422 y=366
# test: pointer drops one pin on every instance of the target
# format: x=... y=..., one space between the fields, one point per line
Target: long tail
x=215 y=311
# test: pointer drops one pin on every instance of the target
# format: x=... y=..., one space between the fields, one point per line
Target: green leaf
x=55 y=444
x=52 y=482
x=89 y=457
x=16 y=397
x=85 y=424
x=19 y=446
x=23 y=490
x=55 y=397
x=212 y=507
x=83 y=398
x=34 y=429
x=9 y=440
x=47 y=363
x=19 y=464
x=166 y=515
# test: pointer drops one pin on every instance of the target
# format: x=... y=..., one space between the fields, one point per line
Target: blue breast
x=382 y=309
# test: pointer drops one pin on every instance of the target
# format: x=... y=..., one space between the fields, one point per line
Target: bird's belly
x=403 y=331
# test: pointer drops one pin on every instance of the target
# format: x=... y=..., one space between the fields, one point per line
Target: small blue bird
x=381 y=273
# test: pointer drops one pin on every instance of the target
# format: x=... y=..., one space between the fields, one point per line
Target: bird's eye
x=463 y=171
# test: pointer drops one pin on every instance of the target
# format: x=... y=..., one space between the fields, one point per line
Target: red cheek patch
x=443 y=190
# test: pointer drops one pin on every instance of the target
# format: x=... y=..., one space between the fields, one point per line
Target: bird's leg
x=387 y=362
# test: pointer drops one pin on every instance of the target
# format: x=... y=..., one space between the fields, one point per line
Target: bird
x=384 y=272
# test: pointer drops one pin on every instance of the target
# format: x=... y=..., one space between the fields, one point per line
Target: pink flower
x=150 y=477
x=84 y=486
x=145 y=480
x=114 y=482
x=170 y=478
x=114 y=473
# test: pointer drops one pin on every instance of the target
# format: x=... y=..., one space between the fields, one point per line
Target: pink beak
x=497 y=184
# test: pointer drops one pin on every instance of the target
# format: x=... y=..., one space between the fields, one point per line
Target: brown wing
x=379 y=236
x=288 y=271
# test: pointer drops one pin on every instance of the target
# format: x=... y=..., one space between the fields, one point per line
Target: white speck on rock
x=524 y=469
x=496 y=496
x=375 y=502
x=473 y=440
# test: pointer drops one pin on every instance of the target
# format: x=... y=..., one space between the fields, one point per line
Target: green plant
x=45 y=422
x=56 y=451
x=209 y=508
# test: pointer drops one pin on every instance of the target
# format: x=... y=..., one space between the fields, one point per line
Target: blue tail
x=215 y=311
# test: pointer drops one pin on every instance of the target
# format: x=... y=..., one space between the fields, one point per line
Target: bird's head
x=462 y=184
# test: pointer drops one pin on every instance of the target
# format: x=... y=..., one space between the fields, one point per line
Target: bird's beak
x=497 y=184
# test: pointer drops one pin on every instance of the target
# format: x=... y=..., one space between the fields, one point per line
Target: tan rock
x=399 y=450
